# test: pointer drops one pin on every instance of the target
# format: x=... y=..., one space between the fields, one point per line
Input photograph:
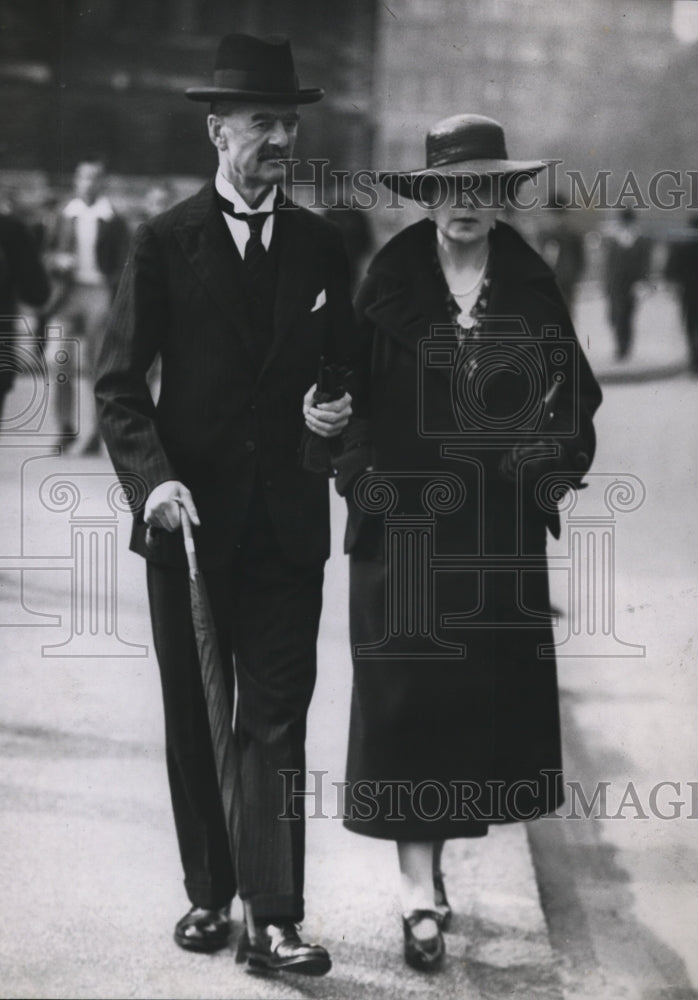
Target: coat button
x=250 y=445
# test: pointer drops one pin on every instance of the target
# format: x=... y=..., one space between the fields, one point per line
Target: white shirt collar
x=231 y=193
x=99 y=209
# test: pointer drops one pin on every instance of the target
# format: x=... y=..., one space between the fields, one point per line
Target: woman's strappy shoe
x=423 y=955
x=443 y=907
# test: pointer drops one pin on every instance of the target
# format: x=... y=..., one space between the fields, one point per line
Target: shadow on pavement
x=587 y=899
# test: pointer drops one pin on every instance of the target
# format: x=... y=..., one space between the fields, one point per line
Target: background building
x=598 y=85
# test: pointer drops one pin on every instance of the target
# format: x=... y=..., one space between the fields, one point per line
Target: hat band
x=245 y=79
x=452 y=149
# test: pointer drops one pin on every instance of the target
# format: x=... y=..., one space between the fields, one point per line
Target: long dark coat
x=455 y=722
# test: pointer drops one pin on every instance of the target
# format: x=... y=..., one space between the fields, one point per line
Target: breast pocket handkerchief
x=319 y=301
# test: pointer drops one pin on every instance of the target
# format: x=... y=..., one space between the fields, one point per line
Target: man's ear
x=215 y=131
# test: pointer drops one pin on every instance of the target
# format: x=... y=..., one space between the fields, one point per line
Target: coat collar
x=209 y=248
x=412 y=249
x=415 y=295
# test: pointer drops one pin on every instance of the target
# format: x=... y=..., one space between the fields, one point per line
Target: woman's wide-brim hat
x=255 y=69
x=460 y=146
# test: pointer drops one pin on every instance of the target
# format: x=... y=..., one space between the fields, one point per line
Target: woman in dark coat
x=478 y=406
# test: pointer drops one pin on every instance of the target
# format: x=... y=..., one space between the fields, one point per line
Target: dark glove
x=535 y=464
x=318 y=454
x=356 y=455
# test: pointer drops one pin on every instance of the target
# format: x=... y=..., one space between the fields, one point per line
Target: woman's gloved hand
x=534 y=463
x=532 y=460
x=356 y=456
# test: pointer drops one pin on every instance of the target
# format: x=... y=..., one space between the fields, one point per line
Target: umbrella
x=219 y=713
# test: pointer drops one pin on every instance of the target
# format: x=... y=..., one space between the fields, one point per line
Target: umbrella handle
x=188 y=542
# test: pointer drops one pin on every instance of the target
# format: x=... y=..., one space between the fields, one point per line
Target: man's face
x=157 y=200
x=252 y=140
x=89 y=181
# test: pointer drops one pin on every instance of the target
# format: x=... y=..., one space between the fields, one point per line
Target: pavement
x=569 y=908
x=659 y=348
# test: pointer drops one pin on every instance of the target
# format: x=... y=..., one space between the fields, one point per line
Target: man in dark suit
x=22 y=279
x=628 y=260
x=240 y=296
x=682 y=268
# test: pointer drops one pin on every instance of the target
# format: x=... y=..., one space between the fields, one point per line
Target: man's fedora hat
x=461 y=146
x=255 y=69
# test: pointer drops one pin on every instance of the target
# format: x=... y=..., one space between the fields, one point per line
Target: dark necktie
x=255 y=253
x=260 y=278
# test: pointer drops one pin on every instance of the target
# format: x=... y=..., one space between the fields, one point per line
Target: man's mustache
x=274 y=153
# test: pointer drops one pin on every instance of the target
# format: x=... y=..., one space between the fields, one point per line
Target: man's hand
x=326 y=419
x=162 y=506
x=61 y=262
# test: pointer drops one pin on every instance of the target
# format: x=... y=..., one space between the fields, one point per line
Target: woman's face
x=465 y=211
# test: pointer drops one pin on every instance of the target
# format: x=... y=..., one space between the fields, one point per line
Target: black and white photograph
x=349 y=491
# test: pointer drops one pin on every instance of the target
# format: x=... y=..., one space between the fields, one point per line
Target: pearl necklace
x=478 y=278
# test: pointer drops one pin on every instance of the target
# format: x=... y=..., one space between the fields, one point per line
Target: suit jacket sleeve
x=357 y=455
x=134 y=335
x=343 y=347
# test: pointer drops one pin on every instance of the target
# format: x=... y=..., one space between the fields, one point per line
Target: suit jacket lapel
x=297 y=274
x=209 y=248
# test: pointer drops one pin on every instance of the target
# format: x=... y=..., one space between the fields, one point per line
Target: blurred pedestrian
x=44 y=220
x=240 y=294
x=159 y=196
x=627 y=263
x=562 y=248
x=90 y=247
x=682 y=269
x=22 y=279
x=432 y=727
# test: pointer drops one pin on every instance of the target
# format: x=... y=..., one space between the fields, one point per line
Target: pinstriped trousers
x=267 y=612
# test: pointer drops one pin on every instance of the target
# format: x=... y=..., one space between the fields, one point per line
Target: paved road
x=626 y=920
x=90 y=880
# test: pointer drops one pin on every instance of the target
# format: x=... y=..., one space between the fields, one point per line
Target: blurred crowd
x=634 y=258
x=62 y=252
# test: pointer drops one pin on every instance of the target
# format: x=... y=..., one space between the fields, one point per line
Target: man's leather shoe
x=203 y=930
x=423 y=954
x=281 y=949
